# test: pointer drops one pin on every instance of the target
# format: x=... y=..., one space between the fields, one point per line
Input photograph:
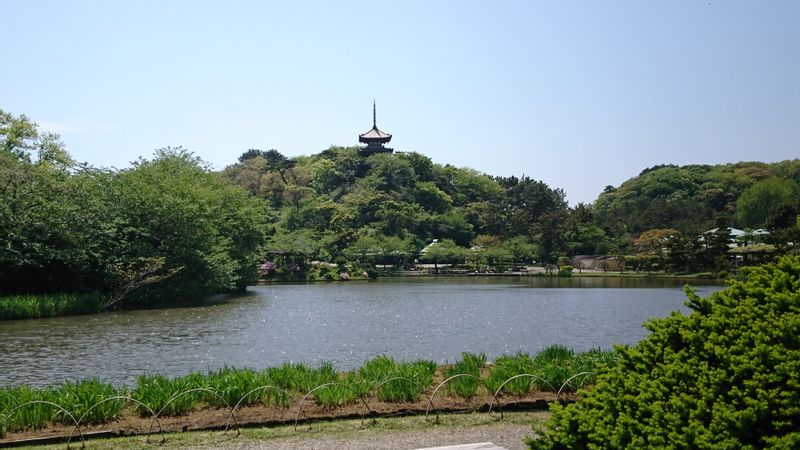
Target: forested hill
x=695 y=198
x=335 y=203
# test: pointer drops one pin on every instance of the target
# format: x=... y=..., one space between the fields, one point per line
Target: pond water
x=345 y=323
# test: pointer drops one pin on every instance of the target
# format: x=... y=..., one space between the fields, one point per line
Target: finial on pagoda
x=374 y=116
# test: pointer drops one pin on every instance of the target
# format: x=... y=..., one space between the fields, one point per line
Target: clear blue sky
x=577 y=94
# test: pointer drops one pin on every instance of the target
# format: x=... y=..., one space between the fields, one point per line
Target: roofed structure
x=374 y=138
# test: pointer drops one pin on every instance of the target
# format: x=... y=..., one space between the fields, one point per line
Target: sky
x=580 y=95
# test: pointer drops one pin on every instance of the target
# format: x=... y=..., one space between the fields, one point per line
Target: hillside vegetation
x=171 y=229
x=338 y=206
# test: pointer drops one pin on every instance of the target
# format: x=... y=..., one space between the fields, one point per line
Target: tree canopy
x=341 y=198
x=166 y=229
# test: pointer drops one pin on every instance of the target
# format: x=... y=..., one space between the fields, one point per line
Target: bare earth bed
x=363 y=416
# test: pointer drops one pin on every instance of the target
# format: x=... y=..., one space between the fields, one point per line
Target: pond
x=345 y=323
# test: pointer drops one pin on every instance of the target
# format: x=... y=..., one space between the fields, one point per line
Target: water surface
x=345 y=323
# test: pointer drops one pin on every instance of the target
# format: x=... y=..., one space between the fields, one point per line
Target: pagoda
x=374 y=139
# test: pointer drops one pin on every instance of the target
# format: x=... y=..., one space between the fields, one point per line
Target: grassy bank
x=27 y=306
x=381 y=378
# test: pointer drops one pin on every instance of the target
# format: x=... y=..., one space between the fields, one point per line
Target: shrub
x=565 y=271
x=725 y=376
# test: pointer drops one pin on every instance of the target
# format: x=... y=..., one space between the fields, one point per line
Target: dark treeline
x=171 y=229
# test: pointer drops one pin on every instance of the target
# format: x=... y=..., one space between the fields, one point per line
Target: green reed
x=551 y=368
x=48 y=305
x=167 y=395
x=300 y=378
x=470 y=365
x=31 y=416
x=87 y=397
x=419 y=372
x=399 y=382
x=243 y=387
x=506 y=367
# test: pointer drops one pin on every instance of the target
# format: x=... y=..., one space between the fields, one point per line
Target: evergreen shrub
x=725 y=376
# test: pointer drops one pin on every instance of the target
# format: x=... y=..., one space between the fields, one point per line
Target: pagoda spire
x=374 y=115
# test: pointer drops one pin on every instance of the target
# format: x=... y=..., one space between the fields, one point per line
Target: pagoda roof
x=374 y=134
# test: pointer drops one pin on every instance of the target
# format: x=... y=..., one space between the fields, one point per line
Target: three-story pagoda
x=374 y=139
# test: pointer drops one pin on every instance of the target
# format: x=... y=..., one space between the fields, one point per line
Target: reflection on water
x=345 y=323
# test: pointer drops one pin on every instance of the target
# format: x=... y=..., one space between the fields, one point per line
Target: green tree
x=453 y=225
x=520 y=249
x=725 y=376
x=431 y=197
x=444 y=251
x=209 y=232
x=17 y=135
x=683 y=253
x=771 y=203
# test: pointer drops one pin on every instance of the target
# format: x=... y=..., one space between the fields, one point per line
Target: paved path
x=505 y=436
x=476 y=446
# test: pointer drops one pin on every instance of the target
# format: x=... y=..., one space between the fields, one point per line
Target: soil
x=131 y=423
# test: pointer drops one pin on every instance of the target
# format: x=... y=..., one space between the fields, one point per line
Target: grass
x=48 y=305
x=382 y=377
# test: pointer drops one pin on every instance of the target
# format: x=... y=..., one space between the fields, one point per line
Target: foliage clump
x=78 y=239
x=725 y=376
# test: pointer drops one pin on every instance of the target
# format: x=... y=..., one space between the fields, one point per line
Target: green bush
x=725 y=376
x=565 y=271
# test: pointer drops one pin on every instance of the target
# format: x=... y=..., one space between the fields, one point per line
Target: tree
x=365 y=249
x=716 y=244
x=431 y=197
x=209 y=232
x=453 y=225
x=651 y=247
x=444 y=251
x=17 y=135
x=683 y=253
x=772 y=203
x=520 y=249
x=725 y=376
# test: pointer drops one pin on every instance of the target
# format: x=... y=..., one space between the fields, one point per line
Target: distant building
x=374 y=138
